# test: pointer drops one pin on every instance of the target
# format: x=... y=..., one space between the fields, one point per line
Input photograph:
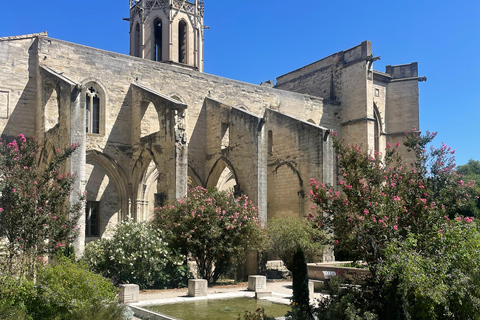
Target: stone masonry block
x=128 y=293
x=257 y=283
x=197 y=287
x=311 y=289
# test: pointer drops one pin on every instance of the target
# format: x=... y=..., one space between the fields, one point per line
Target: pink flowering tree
x=36 y=217
x=381 y=197
x=215 y=228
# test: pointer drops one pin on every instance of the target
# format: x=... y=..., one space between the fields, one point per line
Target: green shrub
x=214 y=227
x=287 y=235
x=65 y=290
x=137 y=254
x=36 y=216
x=440 y=282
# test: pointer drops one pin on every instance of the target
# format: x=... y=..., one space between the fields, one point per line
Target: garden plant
x=401 y=216
x=136 y=253
x=214 y=227
x=38 y=223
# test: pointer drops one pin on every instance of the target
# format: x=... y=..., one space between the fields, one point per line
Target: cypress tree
x=301 y=299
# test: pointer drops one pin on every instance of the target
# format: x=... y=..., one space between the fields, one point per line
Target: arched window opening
x=92 y=111
x=137 y=41
x=149 y=119
x=182 y=42
x=377 y=130
x=158 y=47
x=227 y=181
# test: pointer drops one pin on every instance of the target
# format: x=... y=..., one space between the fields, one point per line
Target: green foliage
x=383 y=198
x=287 y=235
x=442 y=282
x=469 y=172
x=35 y=214
x=300 y=298
x=137 y=254
x=214 y=227
x=66 y=290
x=396 y=216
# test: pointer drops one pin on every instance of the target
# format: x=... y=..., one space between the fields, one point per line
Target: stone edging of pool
x=140 y=312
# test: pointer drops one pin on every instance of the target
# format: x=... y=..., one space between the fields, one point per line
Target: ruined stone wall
x=18 y=87
x=295 y=155
x=115 y=72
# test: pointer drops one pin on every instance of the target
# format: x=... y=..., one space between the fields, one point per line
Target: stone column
x=78 y=160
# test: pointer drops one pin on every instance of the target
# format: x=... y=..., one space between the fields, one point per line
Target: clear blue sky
x=254 y=41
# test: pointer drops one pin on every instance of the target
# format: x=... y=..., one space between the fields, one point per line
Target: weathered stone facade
x=148 y=130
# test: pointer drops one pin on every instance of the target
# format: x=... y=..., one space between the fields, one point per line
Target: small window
x=270 y=142
x=158 y=45
x=92 y=215
x=137 y=41
x=182 y=42
x=92 y=111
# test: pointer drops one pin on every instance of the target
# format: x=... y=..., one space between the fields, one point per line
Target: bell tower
x=169 y=31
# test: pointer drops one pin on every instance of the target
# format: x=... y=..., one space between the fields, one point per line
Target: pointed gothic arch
x=218 y=169
x=285 y=198
x=377 y=127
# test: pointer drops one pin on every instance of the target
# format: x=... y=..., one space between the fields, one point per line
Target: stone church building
x=152 y=124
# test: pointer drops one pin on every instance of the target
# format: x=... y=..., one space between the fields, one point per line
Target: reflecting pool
x=219 y=309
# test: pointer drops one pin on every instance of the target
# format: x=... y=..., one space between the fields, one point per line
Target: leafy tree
x=214 y=227
x=402 y=218
x=383 y=198
x=288 y=235
x=35 y=214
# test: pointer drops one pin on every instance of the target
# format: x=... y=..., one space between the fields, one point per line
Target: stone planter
x=325 y=271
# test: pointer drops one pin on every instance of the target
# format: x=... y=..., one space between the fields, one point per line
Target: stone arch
x=216 y=172
x=285 y=198
x=227 y=181
x=147 y=188
x=117 y=175
x=194 y=179
x=145 y=176
x=377 y=127
x=106 y=198
x=177 y=97
x=311 y=121
x=94 y=89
